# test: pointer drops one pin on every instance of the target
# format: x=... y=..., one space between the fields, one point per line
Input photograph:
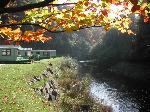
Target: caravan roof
x=9 y=46
x=43 y=50
x=14 y=46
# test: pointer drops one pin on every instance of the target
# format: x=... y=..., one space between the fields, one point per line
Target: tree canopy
x=66 y=16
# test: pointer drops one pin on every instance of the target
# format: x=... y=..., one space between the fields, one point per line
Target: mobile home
x=11 y=53
x=25 y=52
x=17 y=53
x=43 y=54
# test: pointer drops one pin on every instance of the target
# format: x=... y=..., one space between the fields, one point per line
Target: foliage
x=57 y=17
x=17 y=35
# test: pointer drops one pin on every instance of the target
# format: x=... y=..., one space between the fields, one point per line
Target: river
x=121 y=93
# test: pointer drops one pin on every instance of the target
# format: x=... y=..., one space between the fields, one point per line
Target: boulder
x=38 y=91
x=37 y=78
x=45 y=74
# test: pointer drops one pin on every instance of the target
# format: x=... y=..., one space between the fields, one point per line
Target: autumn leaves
x=73 y=17
x=18 y=35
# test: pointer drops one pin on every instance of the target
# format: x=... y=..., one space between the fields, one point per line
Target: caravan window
x=25 y=53
x=6 y=52
x=37 y=52
x=18 y=53
x=45 y=53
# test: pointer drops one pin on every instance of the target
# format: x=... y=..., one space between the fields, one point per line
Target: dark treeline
x=125 y=55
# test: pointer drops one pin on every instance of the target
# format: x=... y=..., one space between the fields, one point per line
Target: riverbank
x=75 y=90
x=17 y=94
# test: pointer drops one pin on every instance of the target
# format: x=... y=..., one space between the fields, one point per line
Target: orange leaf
x=146 y=19
x=112 y=1
x=135 y=2
x=135 y=8
x=105 y=12
x=86 y=3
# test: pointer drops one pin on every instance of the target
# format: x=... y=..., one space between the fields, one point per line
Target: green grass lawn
x=15 y=94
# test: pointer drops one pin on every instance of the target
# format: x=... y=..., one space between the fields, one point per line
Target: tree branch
x=30 y=6
x=34 y=24
x=20 y=24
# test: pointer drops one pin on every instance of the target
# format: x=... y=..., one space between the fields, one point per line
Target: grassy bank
x=75 y=89
x=16 y=95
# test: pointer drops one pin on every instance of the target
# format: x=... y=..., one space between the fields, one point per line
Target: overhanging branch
x=30 y=6
x=37 y=25
x=20 y=24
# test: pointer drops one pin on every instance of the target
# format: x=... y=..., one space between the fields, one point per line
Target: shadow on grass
x=14 y=62
x=18 y=62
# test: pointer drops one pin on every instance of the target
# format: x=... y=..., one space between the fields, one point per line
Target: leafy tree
x=53 y=16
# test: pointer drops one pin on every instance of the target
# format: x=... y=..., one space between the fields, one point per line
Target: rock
x=51 y=84
x=55 y=93
x=37 y=91
x=49 y=91
x=41 y=77
x=30 y=83
x=50 y=64
x=52 y=96
x=49 y=97
x=37 y=78
x=47 y=88
x=45 y=74
x=33 y=80
x=49 y=70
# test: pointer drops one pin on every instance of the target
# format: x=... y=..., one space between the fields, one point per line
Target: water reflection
x=121 y=93
x=119 y=101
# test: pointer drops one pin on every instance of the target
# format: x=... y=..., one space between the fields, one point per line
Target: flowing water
x=122 y=94
x=121 y=97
